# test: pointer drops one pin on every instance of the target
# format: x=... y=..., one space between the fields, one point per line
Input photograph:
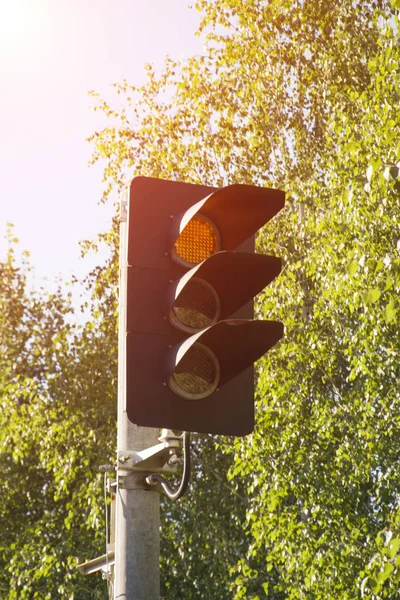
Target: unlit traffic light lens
x=197 y=374
x=198 y=240
x=196 y=307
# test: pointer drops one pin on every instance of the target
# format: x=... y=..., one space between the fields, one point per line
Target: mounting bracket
x=160 y=458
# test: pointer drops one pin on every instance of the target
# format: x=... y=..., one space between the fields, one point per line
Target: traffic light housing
x=192 y=277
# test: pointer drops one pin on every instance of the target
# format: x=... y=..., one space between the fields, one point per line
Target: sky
x=52 y=52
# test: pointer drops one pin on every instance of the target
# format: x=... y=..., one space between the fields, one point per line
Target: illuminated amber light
x=196 y=242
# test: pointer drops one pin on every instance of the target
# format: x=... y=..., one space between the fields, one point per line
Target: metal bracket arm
x=101 y=563
x=156 y=459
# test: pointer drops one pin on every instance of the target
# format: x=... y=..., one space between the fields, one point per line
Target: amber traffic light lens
x=196 y=307
x=198 y=240
x=197 y=374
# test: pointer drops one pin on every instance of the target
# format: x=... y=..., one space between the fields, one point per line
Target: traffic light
x=192 y=277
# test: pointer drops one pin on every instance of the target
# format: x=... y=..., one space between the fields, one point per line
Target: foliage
x=57 y=418
x=329 y=404
x=202 y=535
x=301 y=95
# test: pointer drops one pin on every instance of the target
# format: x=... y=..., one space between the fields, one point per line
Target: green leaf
x=371 y=296
x=385 y=573
x=390 y=311
x=394 y=547
x=353 y=267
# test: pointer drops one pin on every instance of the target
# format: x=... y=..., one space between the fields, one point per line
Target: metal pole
x=137 y=538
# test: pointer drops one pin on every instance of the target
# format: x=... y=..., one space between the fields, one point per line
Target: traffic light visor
x=216 y=355
x=221 y=221
x=210 y=291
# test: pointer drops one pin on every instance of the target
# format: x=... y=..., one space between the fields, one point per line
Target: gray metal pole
x=137 y=539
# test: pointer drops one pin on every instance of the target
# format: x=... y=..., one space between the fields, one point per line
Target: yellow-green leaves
x=391 y=309
x=303 y=96
x=371 y=296
x=353 y=267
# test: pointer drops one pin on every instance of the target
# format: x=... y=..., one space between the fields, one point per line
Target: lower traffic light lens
x=197 y=374
x=196 y=307
x=198 y=240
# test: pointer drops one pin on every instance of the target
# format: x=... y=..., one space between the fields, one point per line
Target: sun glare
x=19 y=20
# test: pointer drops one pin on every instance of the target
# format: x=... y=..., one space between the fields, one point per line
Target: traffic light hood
x=236 y=344
x=237 y=211
x=222 y=271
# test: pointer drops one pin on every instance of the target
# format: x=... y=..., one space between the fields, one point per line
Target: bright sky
x=52 y=52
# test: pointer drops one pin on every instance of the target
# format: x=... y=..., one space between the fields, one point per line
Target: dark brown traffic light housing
x=192 y=277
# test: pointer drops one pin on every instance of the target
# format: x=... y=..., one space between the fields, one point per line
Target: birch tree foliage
x=298 y=95
x=324 y=458
x=304 y=96
x=57 y=425
x=254 y=106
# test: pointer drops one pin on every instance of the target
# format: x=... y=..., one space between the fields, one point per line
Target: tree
x=303 y=96
x=330 y=405
x=57 y=425
x=298 y=95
